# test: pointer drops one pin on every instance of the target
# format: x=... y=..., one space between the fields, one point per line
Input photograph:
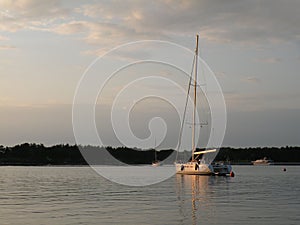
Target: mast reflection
x=194 y=195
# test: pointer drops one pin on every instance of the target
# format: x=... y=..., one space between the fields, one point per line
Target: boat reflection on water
x=196 y=195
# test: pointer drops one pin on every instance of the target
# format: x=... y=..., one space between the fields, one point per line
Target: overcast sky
x=252 y=46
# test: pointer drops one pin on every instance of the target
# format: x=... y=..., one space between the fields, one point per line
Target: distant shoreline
x=31 y=154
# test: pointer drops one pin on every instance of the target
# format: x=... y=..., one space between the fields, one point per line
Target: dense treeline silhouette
x=65 y=154
x=286 y=154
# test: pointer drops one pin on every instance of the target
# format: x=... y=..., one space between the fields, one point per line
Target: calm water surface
x=77 y=195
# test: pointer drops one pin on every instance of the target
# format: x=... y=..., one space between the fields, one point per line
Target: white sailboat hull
x=193 y=168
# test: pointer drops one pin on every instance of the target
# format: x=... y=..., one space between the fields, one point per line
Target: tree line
x=65 y=154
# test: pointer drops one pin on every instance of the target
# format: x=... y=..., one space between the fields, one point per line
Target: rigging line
x=184 y=112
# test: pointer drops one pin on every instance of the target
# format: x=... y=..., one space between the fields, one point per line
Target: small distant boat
x=263 y=161
x=156 y=162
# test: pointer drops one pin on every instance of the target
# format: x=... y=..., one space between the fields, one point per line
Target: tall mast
x=155 y=156
x=195 y=99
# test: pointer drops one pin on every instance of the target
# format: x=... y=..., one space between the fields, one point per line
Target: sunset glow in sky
x=252 y=46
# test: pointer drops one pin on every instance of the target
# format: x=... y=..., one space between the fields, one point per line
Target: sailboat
x=156 y=162
x=196 y=165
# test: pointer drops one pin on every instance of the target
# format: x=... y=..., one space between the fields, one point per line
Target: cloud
x=101 y=35
x=253 y=80
x=7 y=47
x=261 y=101
x=3 y=38
x=29 y=14
x=109 y=22
x=32 y=8
x=5 y=100
x=106 y=33
x=71 y=27
x=220 y=74
x=248 y=22
x=271 y=60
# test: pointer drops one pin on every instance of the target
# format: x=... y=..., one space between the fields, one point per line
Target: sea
x=78 y=195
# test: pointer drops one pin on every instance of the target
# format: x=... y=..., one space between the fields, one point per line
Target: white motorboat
x=263 y=162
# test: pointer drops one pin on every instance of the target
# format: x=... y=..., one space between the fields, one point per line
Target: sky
x=252 y=46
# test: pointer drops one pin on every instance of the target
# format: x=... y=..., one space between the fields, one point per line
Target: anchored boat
x=263 y=162
x=196 y=165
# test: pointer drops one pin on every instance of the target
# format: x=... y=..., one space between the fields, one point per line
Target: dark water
x=77 y=195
